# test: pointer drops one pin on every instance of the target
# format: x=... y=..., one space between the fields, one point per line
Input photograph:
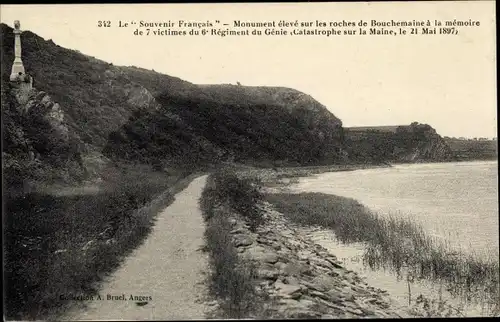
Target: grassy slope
x=244 y=124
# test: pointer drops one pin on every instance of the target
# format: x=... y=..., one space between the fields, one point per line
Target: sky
x=447 y=81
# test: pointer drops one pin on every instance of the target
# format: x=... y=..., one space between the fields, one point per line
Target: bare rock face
x=140 y=97
x=261 y=254
x=288 y=290
x=40 y=102
x=242 y=240
x=267 y=273
x=304 y=279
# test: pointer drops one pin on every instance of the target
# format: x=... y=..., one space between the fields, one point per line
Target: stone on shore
x=304 y=279
x=242 y=240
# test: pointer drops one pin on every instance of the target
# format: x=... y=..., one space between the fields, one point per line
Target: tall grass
x=242 y=195
x=394 y=243
x=58 y=245
x=232 y=279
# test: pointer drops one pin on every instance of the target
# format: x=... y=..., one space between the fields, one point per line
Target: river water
x=455 y=202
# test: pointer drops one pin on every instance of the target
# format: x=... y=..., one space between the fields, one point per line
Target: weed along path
x=163 y=278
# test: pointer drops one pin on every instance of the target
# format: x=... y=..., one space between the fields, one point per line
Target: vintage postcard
x=250 y=160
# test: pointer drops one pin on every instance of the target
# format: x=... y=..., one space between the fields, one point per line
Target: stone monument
x=18 y=74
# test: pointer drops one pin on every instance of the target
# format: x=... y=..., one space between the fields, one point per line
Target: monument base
x=17 y=70
x=24 y=82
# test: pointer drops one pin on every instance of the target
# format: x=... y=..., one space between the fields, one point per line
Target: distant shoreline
x=272 y=174
x=445 y=162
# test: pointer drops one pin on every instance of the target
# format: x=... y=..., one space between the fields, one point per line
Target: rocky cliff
x=38 y=146
x=409 y=143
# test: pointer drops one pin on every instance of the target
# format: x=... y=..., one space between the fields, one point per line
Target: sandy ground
x=168 y=270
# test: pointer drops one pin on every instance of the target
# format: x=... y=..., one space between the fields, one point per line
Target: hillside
x=246 y=124
x=473 y=149
x=412 y=143
x=130 y=114
x=136 y=115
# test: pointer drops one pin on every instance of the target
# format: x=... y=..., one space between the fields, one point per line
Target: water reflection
x=404 y=294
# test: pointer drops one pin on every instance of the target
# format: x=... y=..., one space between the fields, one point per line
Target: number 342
x=104 y=23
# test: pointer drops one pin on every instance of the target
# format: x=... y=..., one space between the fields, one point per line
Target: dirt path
x=168 y=269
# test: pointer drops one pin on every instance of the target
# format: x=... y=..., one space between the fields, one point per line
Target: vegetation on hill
x=413 y=143
x=473 y=149
x=162 y=140
x=256 y=125
x=96 y=97
x=211 y=131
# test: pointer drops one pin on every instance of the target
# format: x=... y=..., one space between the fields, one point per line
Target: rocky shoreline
x=302 y=279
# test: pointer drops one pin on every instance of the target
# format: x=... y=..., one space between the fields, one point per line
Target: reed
x=396 y=243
